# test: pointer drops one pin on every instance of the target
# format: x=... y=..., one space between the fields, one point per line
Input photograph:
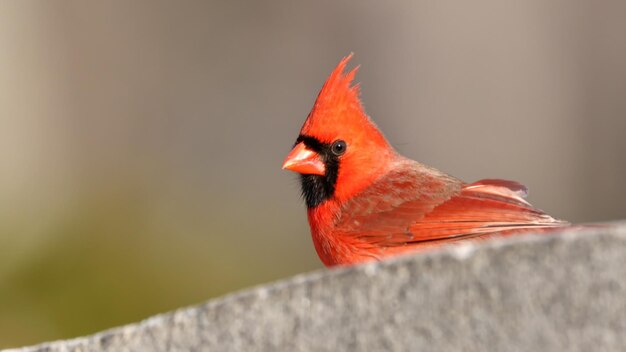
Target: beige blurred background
x=141 y=141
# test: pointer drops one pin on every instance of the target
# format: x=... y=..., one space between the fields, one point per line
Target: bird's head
x=340 y=150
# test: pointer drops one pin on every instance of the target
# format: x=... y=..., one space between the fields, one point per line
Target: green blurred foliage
x=112 y=262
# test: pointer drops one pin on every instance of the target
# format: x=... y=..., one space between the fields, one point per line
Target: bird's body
x=366 y=202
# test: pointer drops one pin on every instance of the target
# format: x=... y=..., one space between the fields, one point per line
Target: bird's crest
x=338 y=86
x=337 y=104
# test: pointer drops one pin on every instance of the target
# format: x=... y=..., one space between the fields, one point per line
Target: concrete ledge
x=564 y=292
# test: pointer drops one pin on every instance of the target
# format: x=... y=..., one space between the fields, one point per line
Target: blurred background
x=141 y=141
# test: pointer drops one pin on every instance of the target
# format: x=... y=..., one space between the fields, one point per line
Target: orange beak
x=304 y=161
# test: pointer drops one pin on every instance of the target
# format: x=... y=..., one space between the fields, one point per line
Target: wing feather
x=418 y=206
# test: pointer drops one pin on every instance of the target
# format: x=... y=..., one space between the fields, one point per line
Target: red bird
x=366 y=202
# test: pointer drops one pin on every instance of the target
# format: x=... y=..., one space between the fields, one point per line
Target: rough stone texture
x=562 y=292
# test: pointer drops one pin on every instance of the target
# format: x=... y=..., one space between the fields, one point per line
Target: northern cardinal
x=367 y=202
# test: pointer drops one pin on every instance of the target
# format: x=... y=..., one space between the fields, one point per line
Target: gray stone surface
x=563 y=292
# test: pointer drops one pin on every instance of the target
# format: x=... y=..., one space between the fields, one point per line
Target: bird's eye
x=338 y=147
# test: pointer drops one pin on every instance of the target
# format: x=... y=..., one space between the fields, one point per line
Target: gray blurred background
x=141 y=141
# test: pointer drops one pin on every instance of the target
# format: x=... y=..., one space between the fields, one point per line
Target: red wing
x=418 y=217
x=390 y=205
x=484 y=207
